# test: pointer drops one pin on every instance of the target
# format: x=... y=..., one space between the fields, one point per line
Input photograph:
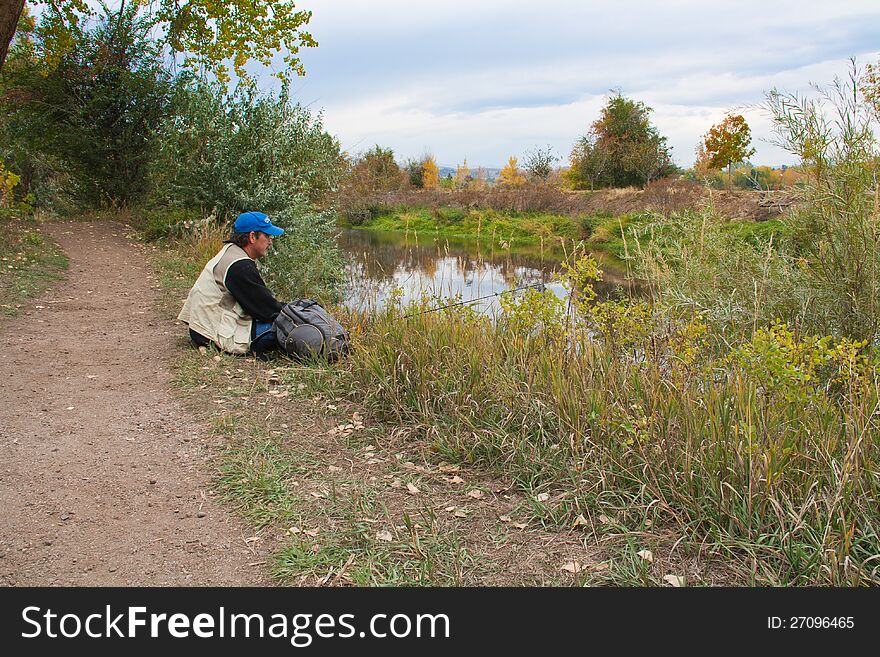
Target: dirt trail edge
x=104 y=478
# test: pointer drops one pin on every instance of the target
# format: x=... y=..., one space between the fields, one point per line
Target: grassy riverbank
x=345 y=499
x=614 y=235
x=671 y=452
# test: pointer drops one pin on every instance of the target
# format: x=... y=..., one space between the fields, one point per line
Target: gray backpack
x=305 y=330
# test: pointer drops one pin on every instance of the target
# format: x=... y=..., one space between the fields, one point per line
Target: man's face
x=260 y=244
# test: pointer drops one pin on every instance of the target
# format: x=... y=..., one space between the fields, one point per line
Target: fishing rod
x=540 y=286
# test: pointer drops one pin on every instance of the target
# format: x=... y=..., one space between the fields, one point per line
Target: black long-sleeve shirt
x=245 y=284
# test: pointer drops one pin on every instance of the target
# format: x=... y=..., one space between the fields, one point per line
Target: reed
x=767 y=453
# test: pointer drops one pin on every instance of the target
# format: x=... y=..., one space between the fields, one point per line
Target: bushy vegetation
x=638 y=420
x=622 y=148
x=220 y=155
x=88 y=120
x=108 y=126
x=732 y=412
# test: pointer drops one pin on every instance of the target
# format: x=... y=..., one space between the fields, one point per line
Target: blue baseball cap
x=248 y=221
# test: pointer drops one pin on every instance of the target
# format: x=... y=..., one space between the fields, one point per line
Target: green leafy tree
x=206 y=33
x=242 y=151
x=92 y=115
x=623 y=148
x=727 y=143
x=415 y=172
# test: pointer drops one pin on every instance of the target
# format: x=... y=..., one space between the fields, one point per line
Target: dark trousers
x=263 y=342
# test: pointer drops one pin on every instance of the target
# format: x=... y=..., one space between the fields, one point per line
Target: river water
x=447 y=270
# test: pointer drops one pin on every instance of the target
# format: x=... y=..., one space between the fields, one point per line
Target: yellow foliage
x=799 y=369
x=430 y=173
x=510 y=175
x=8 y=182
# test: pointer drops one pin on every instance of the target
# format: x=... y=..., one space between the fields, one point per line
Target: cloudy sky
x=485 y=79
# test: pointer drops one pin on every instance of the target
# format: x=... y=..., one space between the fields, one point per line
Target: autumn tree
x=510 y=176
x=375 y=170
x=205 y=32
x=869 y=87
x=621 y=149
x=430 y=173
x=727 y=143
x=481 y=179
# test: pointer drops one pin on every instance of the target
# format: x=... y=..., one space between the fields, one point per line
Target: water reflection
x=379 y=262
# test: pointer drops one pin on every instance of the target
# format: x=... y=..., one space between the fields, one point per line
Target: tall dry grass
x=767 y=456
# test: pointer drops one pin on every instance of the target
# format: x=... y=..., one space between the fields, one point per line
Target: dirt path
x=103 y=479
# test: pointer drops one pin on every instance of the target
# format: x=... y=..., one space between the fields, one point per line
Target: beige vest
x=212 y=311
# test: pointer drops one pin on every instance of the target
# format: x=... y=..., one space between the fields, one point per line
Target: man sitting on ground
x=230 y=304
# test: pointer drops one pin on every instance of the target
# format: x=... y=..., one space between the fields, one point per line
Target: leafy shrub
x=159 y=223
x=801 y=369
x=835 y=224
x=448 y=216
x=225 y=154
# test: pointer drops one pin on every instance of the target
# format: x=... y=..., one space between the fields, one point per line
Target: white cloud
x=489 y=79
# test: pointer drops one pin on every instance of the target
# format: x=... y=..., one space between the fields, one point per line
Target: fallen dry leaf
x=543 y=497
x=505 y=518
x=460 y=513
x=476 y=494
x=384 y=536
x=520 y=525
x=335 y=468
x=674 y=580
x=412 y=489
x=456 y=480
x=446 y=467
x=647 y=555
x=311 y=532
x=573 y=567
x=580 y=520
x=604 y=519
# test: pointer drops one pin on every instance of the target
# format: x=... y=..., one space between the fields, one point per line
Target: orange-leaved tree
x=728 y=143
